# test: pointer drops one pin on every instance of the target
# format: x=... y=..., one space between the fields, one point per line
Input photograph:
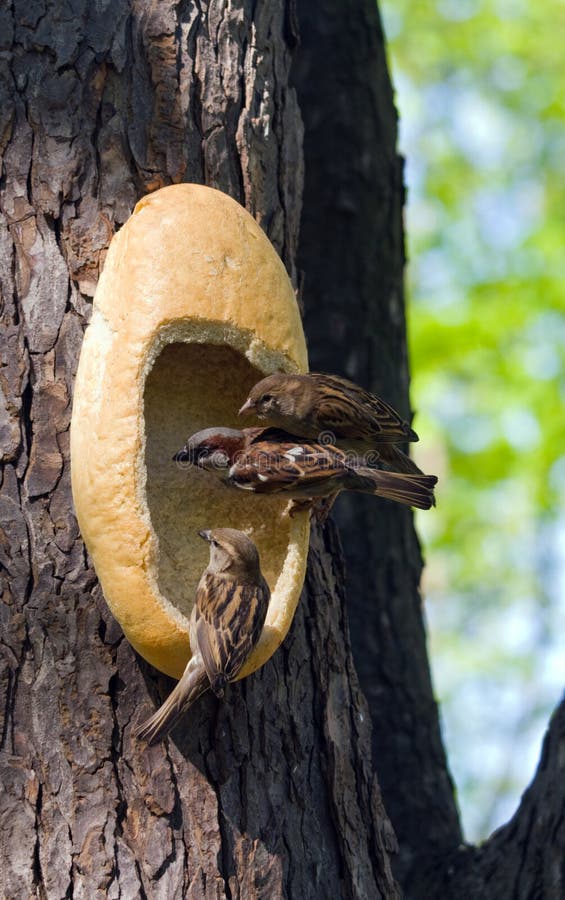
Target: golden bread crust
x=190 y=268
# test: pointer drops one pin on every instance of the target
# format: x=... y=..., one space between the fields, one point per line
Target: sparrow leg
x=297 y=506
x=322 y=508
x=218 y=685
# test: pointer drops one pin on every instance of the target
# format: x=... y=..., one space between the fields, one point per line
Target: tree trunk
x=351 y=255
x=270 y=793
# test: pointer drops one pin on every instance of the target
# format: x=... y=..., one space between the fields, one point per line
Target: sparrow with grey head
x=270 y=461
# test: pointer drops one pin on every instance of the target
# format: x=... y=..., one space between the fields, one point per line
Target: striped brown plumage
x=351 y=412
x=304 y=469
x=318 y=406
x=270 y=461
x=227 y=619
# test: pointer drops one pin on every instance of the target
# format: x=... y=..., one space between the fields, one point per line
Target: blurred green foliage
x=480 y=88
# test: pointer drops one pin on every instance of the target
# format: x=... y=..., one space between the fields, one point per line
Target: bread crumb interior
x=193 y=386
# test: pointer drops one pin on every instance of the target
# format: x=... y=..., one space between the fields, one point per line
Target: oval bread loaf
x=192 y=308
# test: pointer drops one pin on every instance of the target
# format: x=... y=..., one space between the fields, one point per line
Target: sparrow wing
x=350 y=412
x=229 y=620
x=270 y=434
x=288 y=466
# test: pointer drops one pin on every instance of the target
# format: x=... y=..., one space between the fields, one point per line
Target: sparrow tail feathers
x=411 y=490
x=393 y=456
x=192 y=685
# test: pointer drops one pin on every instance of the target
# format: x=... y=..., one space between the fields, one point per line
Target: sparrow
x=227 y=618
x=336 y=411
x=271 y=461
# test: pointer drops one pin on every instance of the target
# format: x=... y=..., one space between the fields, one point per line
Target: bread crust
x=190 y=266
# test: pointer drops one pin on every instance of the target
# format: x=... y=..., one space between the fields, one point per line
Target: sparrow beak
x=205 y=535
x=247 y=407
x=182 y=456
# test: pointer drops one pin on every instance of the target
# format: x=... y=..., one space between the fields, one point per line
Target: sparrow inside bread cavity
x=271 y=461
x=227 y=618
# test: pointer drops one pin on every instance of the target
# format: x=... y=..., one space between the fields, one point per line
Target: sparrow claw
x=322 y=508
x=298 y=506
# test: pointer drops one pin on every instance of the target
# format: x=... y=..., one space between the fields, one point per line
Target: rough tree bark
x=351 y=252
x=272 y=793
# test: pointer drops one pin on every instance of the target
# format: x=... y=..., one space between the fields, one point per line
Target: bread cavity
x=193 y=386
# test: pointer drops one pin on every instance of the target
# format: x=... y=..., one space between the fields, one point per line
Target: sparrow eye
x=214 y=543
x=267 y=398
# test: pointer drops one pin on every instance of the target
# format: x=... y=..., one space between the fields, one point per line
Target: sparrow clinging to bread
x=316 y=405
x=270 y=461
x=225 y=625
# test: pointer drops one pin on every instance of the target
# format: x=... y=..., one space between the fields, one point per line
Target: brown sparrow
x=226 y=622
x=332 y=410
x=270 y=461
